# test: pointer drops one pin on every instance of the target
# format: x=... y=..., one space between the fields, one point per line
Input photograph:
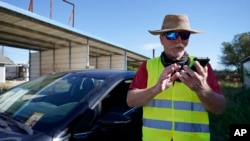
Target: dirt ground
x=8 y=84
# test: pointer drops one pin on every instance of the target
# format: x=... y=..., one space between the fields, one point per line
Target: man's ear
x=161 y=38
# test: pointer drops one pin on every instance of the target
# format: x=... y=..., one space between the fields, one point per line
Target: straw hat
x=175 y=22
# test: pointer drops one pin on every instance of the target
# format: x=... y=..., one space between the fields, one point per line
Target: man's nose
x=179 y=39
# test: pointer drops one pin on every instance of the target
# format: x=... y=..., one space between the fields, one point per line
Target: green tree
x=234 y=52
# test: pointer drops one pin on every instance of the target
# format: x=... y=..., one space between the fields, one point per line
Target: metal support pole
x=73 y=12
x=125 y=61
x=87 y=55
x=70 y=55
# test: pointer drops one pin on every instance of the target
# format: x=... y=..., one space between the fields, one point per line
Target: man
x=175 y=99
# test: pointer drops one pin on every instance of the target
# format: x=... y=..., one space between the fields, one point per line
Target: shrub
x=237 y=111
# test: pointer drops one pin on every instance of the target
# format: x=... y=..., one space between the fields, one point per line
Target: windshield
x=49 y=98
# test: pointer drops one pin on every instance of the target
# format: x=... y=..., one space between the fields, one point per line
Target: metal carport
x=22 y=29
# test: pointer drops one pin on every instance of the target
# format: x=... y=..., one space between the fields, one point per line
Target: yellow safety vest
x=176 y=113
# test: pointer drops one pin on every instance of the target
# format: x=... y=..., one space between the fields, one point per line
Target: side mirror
x=112 y=120
x=109 y=120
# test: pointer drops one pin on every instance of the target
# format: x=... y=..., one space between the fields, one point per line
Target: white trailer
x=20 y=72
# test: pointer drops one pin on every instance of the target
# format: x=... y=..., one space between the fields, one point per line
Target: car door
x=115 y=120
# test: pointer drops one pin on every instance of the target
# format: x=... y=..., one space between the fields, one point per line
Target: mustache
x=179 y=45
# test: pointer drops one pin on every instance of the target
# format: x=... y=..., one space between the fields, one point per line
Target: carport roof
x=23 y=29
x=5 y=60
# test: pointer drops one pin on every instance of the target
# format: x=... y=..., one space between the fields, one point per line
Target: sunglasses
x=173 y=35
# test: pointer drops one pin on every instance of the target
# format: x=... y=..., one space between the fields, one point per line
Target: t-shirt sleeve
x=140 y=79
x=212 y=80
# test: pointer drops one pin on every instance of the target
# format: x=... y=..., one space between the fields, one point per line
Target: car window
x=115 y=101
x=48 y=99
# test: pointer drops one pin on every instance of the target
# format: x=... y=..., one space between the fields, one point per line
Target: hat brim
x=157 y=32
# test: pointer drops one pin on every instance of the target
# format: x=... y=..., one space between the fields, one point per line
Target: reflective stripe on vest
x=180 y=105
x=174 y=113
x=178 y=126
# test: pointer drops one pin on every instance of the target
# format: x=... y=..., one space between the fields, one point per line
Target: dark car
x=88 y=105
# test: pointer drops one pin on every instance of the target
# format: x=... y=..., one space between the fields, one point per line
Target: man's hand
x=167 y=77
x=140 y=97
x=196 y=81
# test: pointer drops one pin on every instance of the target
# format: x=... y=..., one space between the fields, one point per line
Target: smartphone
x=202 y=60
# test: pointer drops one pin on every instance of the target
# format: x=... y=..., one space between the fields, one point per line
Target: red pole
x=31 y=6
x=50 y=9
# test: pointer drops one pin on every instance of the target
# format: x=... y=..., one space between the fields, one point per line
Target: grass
x=9 y=84
x=237 y=111
x=5 y=86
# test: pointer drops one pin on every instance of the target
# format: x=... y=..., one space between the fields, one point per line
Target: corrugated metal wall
x=71 y=59
x=2 y=72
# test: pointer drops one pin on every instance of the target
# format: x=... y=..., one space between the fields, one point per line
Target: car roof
x=102 y=72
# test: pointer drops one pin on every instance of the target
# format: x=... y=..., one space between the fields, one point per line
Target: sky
x=126 y=23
